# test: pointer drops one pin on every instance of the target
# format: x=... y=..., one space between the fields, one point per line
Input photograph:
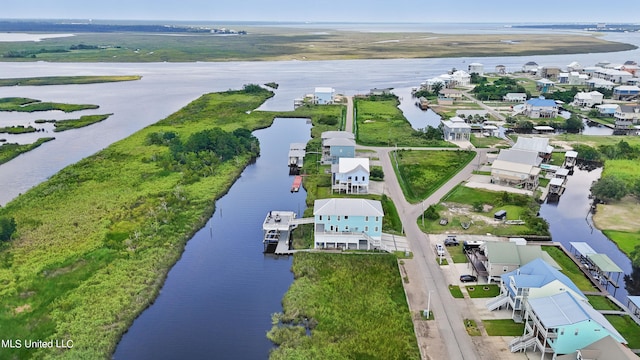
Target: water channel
x=217 y=299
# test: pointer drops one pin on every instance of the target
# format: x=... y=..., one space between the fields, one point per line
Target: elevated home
x=520 y=156
x=544 y=85
x=613 y=75
x=588 y=99
x=604 y=349
x=550 y=72
x=350 y=175
x=626 y=93
x=562 y=324
x=449 y=96
x=337 y=144
x=503 y=257
x=476 y=68
x=574 y=66
x=456 y=129
x=536 y=144
x=595 y=83
x=444 y=80
x=515 y=97
x=347 y=223
x=607 y=109
x=530 y=67
x=627 y=116
x=533 y=280
x=515 y=174
x=541 y=108
x=323 y=95
x=461 y=78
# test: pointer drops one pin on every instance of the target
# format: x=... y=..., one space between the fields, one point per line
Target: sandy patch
x=621 y=216
x=21 y=309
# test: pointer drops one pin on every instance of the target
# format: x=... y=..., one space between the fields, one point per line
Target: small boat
x=297 y=182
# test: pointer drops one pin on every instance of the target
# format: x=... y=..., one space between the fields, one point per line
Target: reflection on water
x=218 y=299
x=418 y=118
x=570 y=221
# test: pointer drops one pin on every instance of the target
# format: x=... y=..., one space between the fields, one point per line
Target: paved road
x=348 y=125
x=450 y=314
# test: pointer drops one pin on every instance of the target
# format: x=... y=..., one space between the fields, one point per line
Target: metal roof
x=337 y=134
x=604 y=263
x=346 y=165
x=537 y=273
x=345 y=206
x=520 y=156
x=582 y=248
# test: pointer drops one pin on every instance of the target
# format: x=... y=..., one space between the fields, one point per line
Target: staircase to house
x=497 y=302
x=522 y=342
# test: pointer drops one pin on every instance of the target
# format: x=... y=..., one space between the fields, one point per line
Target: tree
x=573 y=124
x=609 y=187
x=7 y=228
x=435 y=88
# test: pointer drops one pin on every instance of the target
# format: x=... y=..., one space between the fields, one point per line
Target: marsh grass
x=354 y=306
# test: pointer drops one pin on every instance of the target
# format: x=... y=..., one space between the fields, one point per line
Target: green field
x=33 y=105
x=10 y=151
x=65 y=80
x=421 y=173
x=353 y=305
x=281 y=43
x=627 y=328
x=569 y=268
x=379 y=122
x=518 y=207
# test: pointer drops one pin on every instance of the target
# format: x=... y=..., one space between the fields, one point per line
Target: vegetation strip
x=65 y=80
x=94 y=242
x=10 y=151
x=328 y=299
x=32 y=105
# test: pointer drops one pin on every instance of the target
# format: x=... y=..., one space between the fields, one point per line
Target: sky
x=419 y=11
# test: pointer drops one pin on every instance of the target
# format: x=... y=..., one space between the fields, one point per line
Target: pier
x=277 y=228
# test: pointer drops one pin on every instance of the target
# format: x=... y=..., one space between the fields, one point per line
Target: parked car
x=451 y=241
x=439 y=250
x=468 y=278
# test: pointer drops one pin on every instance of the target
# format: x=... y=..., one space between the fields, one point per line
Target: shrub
x=7 y=228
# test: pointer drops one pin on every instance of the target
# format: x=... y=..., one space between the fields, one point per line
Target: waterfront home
x=537 y=144
x=350 y=175
x=461 y=78
x=476 y=68
x=444 y=80
x=520 y=156
x=456 y=129
x=604 y=349
x=337 y=144
x=627 y=116
x=574 y=66
x=535 y=279
x=323 y=95
x=448 y=96
x=562 y=324
x=607 y=109
x=588 y=99
x=530 y=67
x=541 y=108
x=515 y=174
x=573 y=78
x=501 y=69
x=343 y=223
x=515 y=97
x=613 y=75
x=626 y=93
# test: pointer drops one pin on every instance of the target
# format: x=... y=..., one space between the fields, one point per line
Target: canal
x=218 y=299
x=570 y=221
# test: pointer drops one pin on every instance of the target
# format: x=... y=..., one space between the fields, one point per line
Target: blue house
x=533 y=280
x=626 y=92
x=541 y=108
x=324 y=95
x=562 y=324
x=347 y=223
x=350 y=175
x=336 y=145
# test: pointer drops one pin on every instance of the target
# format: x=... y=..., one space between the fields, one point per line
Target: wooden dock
x=277 y=228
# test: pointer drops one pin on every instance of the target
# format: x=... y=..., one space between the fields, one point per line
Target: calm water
x=418 y=118
x=217 y=300
x=570 y=221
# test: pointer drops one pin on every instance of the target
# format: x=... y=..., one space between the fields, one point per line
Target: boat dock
x=297 y=151
x=277 y=228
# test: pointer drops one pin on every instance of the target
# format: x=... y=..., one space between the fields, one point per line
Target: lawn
x=627 y=328
x=457 y=254
x=421 y=173
x=569 y=268
x=379 y=122
x=472 y=327
x=455 y=291
x=354 y=306
x=602 y=303
x=503 y=327
x=483 y=291
x=467 y=201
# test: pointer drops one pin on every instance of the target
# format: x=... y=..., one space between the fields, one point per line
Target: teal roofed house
x=343 y=223
x=562 y=324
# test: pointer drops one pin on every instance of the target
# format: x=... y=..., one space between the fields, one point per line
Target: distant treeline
x=43 y=26
x=588 y=27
